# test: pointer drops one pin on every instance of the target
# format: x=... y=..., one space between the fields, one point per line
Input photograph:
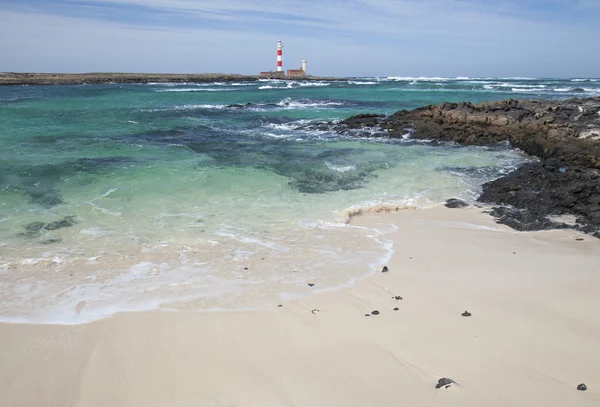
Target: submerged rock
x=35 y=229
x=65 y=222
x=34 y=226
x=51 y=241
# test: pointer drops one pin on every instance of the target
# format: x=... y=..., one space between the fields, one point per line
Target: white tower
x=279 y=55
x=304 y=66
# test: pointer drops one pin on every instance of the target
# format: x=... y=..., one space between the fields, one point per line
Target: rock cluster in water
x=563 y=135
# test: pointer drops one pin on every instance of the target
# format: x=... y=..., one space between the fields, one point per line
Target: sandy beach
x=531 y=339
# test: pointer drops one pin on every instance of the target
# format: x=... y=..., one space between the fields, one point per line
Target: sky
x=474 y=38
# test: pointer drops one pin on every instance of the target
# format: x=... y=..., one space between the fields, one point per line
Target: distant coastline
x=17 y=78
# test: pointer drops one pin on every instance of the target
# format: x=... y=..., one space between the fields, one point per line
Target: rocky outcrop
x=564 y=135
x=19 y=78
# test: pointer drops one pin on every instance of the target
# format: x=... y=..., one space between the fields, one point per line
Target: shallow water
x=135 y=197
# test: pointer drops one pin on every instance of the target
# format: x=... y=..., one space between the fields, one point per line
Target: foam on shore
x=530 y=339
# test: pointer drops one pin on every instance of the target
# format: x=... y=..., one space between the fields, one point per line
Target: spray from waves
x=200 y=85
x=296 y=125
x=284 y=104
x=196 y=90
x=361 y=83
x=421 y=79
x=283 y=84
x=183 y=107
x=576 y=90
x=313 y=84
x=169 y=84
x=290 y=103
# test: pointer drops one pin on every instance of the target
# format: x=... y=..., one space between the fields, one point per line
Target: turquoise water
x=135 y=197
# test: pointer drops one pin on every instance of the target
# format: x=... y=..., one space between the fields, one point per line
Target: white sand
x=533 y=336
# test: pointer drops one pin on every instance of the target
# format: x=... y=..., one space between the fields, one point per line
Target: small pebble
x=279 y=306
x=466 y=314
x=444 y=382
x=315 y=311
x=582 y=387
x=311 y=285
x=375 y=312
x=384 y=270
x=245 y=268
x=396 y=309
x=367 y=315
x=579 y=239
x=514 y=252
x=397 y=298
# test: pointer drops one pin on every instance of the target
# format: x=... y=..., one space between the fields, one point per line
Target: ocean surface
x=121 y=198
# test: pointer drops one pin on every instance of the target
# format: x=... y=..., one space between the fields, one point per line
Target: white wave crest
x=196 y=90
x=290 y=103
x=315 y=84
x=361 y=83
x=340 y=168
x=184 y=107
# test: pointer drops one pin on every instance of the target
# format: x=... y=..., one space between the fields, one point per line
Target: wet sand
x=531 y=338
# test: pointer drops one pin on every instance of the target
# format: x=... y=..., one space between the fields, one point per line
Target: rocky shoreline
x=563 y=135
x=15 y=78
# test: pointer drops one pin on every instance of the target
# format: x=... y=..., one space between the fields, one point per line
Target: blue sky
x=548 y=38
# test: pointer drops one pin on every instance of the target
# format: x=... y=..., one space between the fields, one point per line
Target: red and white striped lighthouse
x=279 y=55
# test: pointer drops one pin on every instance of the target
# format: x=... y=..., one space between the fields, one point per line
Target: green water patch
x=41 y=183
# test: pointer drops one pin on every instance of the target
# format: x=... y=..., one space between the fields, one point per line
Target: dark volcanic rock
x=466 y=314
x=524 y=219
x=541 y=189
x=444 y=382
x=455 y=203
x=384 y=269
x=564 y=135
x=362 y=120
x=582 y=387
